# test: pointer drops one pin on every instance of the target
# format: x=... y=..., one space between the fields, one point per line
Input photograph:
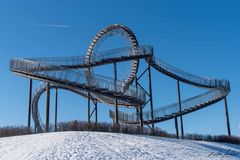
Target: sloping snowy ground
x=95 y=145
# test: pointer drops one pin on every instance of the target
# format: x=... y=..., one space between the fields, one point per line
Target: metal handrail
x=98 y=57
x=43 y=67
x=219 y=89
x=170 y=109
x=203 y=81
x=76 y=77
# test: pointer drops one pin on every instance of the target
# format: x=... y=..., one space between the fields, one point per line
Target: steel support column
x=47 y=107
x=29 y=104
x=56 y=109
x=137 y=107
x=89 y=110
x=141 y=121
x=35 y=128
x=150 y=92
x=180 y=109
x=136 y=87
x=96 y=109
x=227 y=117
x=176 y=127
x=115 y=88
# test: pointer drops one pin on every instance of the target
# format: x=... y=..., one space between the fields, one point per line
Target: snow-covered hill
x=95 y=145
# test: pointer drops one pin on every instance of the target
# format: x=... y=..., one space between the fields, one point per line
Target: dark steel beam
x=143 y=89
x=115 y=88
x=142 y=74
x=137 y=108
x=227 y=116
x=96 y=110
x=176 y=127
x=92 y=112
x=150 y=92
x=35 y=128
x=116 y=111
x=180 y=109
x=143 y=106
x=141 y=120
x=136 y=87
x=30 y=104
x=94 y=101
x=56 y=109
x=47 y=107
x=89 y=109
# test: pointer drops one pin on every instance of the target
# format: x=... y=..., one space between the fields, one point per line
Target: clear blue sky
x=202 y=37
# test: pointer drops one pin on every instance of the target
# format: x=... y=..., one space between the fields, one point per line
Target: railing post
x=115 y=89
x=227 y=117
x=30 y=105
x=150 y=92
x=56 y=108
x=47 y=107
x=176 y=127
x=180 y=109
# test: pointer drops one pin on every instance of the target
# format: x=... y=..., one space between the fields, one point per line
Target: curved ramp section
x=76 y=79
x=37 y=94
x=219 y=89
x=68 y=72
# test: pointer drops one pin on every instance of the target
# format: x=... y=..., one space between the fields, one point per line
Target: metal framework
x=76 y=74
x=149 y=95
x=90 y=113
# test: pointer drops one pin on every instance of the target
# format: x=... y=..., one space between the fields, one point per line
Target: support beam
x=96 y=110
x=115 y=88
x=137 y=107
x=141 y=120
x=150 y=92
x=47 y=107
x=35 y=128
x=176 y=127
x=89 y=109
x=227 y=117
x=180 y=109
x=116 y=111
x=29 y=104
x=136 y=87
x=56 y=109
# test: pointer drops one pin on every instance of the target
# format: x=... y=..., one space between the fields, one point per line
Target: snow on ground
x=96 y=145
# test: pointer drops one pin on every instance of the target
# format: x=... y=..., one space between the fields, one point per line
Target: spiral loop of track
x=106 y=33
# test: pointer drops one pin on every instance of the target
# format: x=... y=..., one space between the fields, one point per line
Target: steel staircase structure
x=76 y=74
